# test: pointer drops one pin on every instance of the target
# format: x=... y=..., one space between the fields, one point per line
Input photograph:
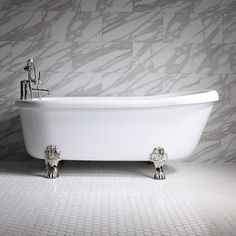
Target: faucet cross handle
x=36 y=82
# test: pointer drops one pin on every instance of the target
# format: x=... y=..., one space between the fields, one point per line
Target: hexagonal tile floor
x=117 y=198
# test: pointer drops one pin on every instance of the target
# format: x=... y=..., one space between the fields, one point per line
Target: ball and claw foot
x=159 y=173
x=159 y=158
x=52 y=158
x=52 y=172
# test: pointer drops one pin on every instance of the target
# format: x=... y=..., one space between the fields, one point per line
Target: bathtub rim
x=97 y=102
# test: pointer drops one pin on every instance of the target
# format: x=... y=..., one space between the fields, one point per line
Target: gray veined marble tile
x=5 y=115
x=11 y=138
x=49 y=56
x=89 y=5
x=6 y=83
x=227 y=7
x=100 y=57
x=144 y=27
x=206 y=151
x=5 y=127
x=214 y=58
x=213 y=132
x=72 y=83
x=163 y=5
x=32 y=5
x=4 y=4
x=192 y=82
x=72 y=26
x=5 y=56
x=18 y=25
x=229 y=88
x=216 y=7
x=193 y=28
x=230 y=28
x=10 y=85
x=108 y=5
x=162 y=57
x=228 y=135
x=131 y=84
x=22 y=51
x=55 y=56
x=202 y=6
x=119 y=5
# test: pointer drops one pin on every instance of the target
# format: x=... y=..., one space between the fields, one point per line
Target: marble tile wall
x=122 y=48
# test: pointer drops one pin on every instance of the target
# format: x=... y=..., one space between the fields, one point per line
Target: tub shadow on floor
x=97 y=169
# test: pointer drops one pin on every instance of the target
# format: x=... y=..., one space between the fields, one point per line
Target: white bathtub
x=116 y=128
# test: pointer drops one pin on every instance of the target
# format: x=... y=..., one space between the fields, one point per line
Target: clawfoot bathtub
x=115 y=128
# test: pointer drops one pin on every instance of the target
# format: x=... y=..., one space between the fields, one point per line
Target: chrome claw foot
x=159 y=173
x=159 y=158
x=52 y=158
x=52 y=172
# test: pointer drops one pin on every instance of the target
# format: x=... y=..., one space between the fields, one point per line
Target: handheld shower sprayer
x=28 y=67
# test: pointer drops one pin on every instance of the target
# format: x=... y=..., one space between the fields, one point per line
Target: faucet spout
x=41 y=90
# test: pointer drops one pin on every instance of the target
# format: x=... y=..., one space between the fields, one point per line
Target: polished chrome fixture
x=159 y=158
x=32 y=83
x=52 y=157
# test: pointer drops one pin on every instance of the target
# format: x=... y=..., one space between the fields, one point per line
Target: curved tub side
x=120 y=134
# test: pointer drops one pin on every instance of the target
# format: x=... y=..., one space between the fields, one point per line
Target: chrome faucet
x=32 y=83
